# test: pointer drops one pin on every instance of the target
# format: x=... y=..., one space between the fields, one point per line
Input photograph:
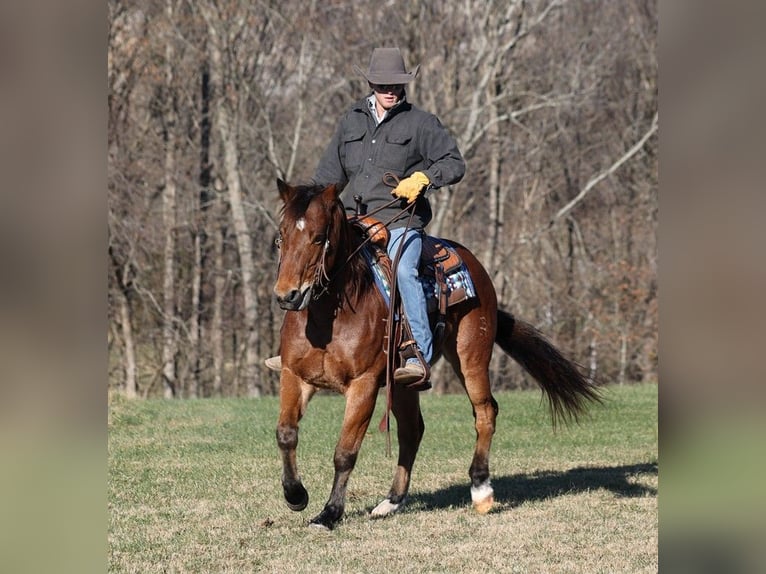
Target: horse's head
x=308 y=240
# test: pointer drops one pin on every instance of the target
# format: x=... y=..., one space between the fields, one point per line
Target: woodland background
x=554 y=105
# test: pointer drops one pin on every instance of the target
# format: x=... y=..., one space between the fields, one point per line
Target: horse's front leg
x=294 y=396
x=360 y=404
x=410 y=429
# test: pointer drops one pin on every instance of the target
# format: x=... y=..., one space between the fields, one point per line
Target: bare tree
x=226 y=123
x=169 y=217
x=553 y=103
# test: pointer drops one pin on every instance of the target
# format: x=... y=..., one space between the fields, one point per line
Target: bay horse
x=332 y=337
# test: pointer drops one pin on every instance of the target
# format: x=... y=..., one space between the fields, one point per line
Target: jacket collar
x=364 y=107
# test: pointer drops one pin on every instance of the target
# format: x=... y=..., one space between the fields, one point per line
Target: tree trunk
x=169 y=224
x=228 y=136
x=129 y=349
x=493 y=183
x=200 y=234
x=192 y=387
x=219 y=285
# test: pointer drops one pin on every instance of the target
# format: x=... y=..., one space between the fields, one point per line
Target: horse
x=332 y=337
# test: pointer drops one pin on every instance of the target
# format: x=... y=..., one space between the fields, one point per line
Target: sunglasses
x=387 y=87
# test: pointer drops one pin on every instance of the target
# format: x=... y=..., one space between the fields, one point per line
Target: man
x=384 y=133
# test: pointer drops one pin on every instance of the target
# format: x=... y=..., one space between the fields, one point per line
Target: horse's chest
x=326 y=369
x=330 y=352
x=345 y=357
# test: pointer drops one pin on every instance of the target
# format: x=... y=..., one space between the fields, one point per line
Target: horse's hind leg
x=410 y=427
x=294 y=398
x=474 y=374
x=485 y=413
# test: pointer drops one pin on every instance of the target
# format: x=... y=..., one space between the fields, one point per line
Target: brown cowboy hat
x=387 y=67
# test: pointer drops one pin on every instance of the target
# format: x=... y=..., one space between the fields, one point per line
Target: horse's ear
x=331 y=192
x=286 y=192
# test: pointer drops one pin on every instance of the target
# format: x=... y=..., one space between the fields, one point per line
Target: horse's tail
x=568 y=390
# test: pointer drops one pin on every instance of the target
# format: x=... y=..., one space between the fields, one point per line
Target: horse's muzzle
x=295 y=300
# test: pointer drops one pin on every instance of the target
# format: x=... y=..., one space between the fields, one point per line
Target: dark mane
x=359 y=274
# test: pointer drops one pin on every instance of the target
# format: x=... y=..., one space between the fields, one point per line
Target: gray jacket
x=407 y=140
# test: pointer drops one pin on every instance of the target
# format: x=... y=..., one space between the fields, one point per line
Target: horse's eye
x=320 y=239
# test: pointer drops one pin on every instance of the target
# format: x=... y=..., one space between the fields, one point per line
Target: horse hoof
x=385 y=508
x=298 y=507
x=328 y=518
x=483 y=497
x=484 y=506
x=321 y=522
x=297 y=498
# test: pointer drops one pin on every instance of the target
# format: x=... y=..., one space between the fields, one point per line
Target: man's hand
x=410 y=187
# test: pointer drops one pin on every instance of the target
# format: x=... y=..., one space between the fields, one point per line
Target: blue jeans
x=410 y=289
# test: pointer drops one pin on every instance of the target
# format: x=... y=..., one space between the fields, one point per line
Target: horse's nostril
x=290 y=298
x=293 y=296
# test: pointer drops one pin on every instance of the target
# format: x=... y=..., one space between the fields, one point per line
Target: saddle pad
x=459 y=288
x=458 y=280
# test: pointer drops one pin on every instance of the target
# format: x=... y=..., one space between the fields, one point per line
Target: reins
x=392 y=180
x=385 y=423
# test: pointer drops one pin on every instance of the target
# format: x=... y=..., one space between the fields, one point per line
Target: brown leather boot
x=411 y=372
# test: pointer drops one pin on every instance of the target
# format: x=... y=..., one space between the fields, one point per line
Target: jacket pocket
x=396 y=152
x=353 y=149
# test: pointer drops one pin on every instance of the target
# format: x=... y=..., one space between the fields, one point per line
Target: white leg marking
x=479 y=493
x=483 y=497
x=386 y=507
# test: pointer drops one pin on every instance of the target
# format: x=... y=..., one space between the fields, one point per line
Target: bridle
x=321 y=278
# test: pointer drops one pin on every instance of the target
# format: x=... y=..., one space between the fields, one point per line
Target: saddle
x=443 y=274
x=436 y=252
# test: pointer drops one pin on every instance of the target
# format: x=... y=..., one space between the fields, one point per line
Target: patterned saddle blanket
x=443 y=274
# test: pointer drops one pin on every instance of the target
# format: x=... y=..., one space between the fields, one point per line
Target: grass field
x=194 y=486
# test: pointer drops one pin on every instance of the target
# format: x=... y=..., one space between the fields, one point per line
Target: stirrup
x=410 y=375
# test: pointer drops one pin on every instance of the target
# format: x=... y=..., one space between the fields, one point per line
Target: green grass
x=194 y=487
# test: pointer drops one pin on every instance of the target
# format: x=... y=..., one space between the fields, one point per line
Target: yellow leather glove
x=409 y=188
